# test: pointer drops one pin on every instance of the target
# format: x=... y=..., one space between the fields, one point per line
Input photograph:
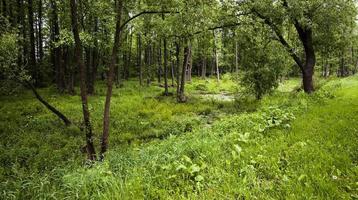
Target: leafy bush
x=260 y=81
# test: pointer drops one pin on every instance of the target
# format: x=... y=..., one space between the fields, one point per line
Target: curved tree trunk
x=46 y=104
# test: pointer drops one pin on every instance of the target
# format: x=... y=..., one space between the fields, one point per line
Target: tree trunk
x=166 y=93
x=47 y=105
x=139 y=59
x=32 y=58
x=95 y=61
x=203 y=67
x=189 y=67
x=172 y=69
x=159 y=73
x=57 y=54
x=236 y=58
x=216 y=59
x=307 y=69
x=148 y=63
x=177 y=53
x=40 y=37
x=127 y=74
x=187 y=52
x=106 y=115
x=78 y=54
x=88 y=53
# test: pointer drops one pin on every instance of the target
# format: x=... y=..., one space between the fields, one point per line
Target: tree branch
x=143 y=13
x=280 y=38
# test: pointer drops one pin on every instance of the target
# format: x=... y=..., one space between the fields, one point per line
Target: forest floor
x=218 y=145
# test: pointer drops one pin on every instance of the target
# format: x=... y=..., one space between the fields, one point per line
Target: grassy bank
x=288 y=146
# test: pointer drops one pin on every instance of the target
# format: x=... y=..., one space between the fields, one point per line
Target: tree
x=107 y=106
x=305 y=17
x=14 y=72
x=91 y=153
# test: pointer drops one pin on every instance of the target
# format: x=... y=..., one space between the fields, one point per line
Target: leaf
x=302 y=177
x=194 y=169
x=238 y=149
x=187 y=159
x=181 y=167
x=199 y=178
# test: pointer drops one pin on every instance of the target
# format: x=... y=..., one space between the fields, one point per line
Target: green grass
x=289 y=146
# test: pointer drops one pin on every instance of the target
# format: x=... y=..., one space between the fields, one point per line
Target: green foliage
x=260 y=81
x=293 y=146
x=97 y=182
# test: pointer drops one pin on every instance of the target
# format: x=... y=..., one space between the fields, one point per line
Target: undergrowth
x=288 y=146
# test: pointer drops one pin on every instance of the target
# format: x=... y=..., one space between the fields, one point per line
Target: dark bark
x=95 y=61
x=187 y=52
x=106 y=115
x=342 y=70
x=57 y=52
x=4 y=8
x=91 y=153
x=32 y=58
x=20 y=16
x=125 y=56
x=166 y=92
x=203 y=67
x=159 y=62
x=148 y=58
x=305 y=36
x=46 y=104
x=236 y=58
x=172 y=69
x=127 y=73
x=310 y=58
x=177 y=53
x=67 y=71
x=139 y=59
x=40 y=36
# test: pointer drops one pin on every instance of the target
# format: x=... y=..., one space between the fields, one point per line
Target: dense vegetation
x=172 y=99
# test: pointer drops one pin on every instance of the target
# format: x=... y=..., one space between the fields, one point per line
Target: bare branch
x=143 y=13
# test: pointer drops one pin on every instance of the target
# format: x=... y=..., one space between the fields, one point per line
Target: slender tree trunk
x=40 y=37
x=78 y=52
x=189 y=67
x=172 y=69
x=139 y=59
x=32 y=58
x=149 y=63
x=177 y=53
x=88 y=53
x=57 y=54
x=236 y=58
x=95 y=61
x=3 y=8
x=187 y=52
x=106 y=115
x=20 y=16
x=125 y=56
x=166 y=93
x=47 y=105
x=129 y=56
x=203 y=67
x=216 y=59
x=159 y=73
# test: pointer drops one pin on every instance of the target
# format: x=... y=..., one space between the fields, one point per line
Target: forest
x=179 y=99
